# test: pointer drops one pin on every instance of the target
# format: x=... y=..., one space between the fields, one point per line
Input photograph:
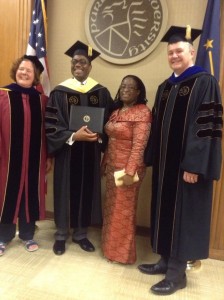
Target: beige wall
x=66 y=25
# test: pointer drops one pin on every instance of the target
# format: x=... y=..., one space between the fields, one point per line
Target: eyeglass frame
x=81 y=61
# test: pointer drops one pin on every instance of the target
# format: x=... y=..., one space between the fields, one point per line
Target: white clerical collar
x=176 y=75
x=83 y=82
x=78 y=83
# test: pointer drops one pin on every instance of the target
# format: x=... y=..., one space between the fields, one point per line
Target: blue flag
x=37 y=41
x=208 y=55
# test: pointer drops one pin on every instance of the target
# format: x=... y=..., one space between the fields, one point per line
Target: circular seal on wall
x=125 y=31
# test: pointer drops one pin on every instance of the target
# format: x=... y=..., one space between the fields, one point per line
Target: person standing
x=128 y=129
x=23 y=163
x=77 y=181
x=185 y=154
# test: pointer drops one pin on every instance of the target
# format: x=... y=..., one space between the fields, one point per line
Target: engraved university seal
x=125 y=31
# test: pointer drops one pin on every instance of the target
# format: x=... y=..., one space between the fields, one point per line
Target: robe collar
x=187 y=73
x=17 y=88
x=76 y=85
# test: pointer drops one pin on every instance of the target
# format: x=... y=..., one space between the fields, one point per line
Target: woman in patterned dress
x=128 y=130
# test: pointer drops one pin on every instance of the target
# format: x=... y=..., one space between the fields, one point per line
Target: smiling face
x=180 y=56
x=129 y=91
x=80 y=67
x=25 y=74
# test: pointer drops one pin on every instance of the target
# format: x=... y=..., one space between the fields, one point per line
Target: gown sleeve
x=108 y=103
x=57 y=122
x=141 y=131
x=150 y=147
x=202 y=153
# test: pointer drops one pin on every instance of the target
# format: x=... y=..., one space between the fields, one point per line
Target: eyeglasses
x=128 y=87
x=82 y=62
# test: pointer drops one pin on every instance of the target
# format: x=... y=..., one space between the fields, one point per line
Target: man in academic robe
x=185 y=153
x=77 y=181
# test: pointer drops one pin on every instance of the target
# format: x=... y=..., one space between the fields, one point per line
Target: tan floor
x=78 y=275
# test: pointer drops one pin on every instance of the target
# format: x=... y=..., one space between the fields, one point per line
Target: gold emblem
x=184 y=91
x=86 y=119
x=93 y=99
x=73 y=100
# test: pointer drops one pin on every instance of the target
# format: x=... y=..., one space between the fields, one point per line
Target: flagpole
x=211 y=62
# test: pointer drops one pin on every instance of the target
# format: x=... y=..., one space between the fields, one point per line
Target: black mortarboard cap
x=181 y=34
x=35 y=61
x=80 y=48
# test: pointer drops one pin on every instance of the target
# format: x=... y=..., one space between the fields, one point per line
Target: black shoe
x=152 y=269
x=85 y=244
x=166 y=287
x=59 y=247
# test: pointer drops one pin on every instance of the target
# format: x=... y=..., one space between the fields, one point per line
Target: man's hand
x=190 y=177
x=84 y=134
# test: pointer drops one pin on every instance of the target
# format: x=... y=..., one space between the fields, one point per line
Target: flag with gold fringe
x=208 y=55
x=38 y=41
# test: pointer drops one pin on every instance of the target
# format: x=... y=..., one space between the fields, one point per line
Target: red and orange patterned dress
x=128 y=133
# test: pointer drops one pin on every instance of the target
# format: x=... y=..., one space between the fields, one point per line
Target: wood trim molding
x=140 y=230
x=14 y=32
x=23 y=21
x=216 y=254
x=217 y=222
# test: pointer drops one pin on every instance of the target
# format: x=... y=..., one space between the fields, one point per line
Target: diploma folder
x=92 y=117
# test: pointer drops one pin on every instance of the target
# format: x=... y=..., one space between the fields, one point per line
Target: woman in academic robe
x=23 y=161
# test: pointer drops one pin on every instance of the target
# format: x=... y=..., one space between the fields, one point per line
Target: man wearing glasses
x=77 y=191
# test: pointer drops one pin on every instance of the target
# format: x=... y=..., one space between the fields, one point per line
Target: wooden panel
x=14 y=31
x=23 y=25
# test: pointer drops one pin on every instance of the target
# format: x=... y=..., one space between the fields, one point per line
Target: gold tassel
x=188 y=33
x=90 y=51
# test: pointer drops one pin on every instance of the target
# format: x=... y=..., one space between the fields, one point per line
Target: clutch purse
x=118 y=177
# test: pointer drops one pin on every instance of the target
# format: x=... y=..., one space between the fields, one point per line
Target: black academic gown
x=77 y=181
x=186 y=136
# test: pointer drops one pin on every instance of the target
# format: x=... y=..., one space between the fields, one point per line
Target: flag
x=37 y=41
x=208 y=55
